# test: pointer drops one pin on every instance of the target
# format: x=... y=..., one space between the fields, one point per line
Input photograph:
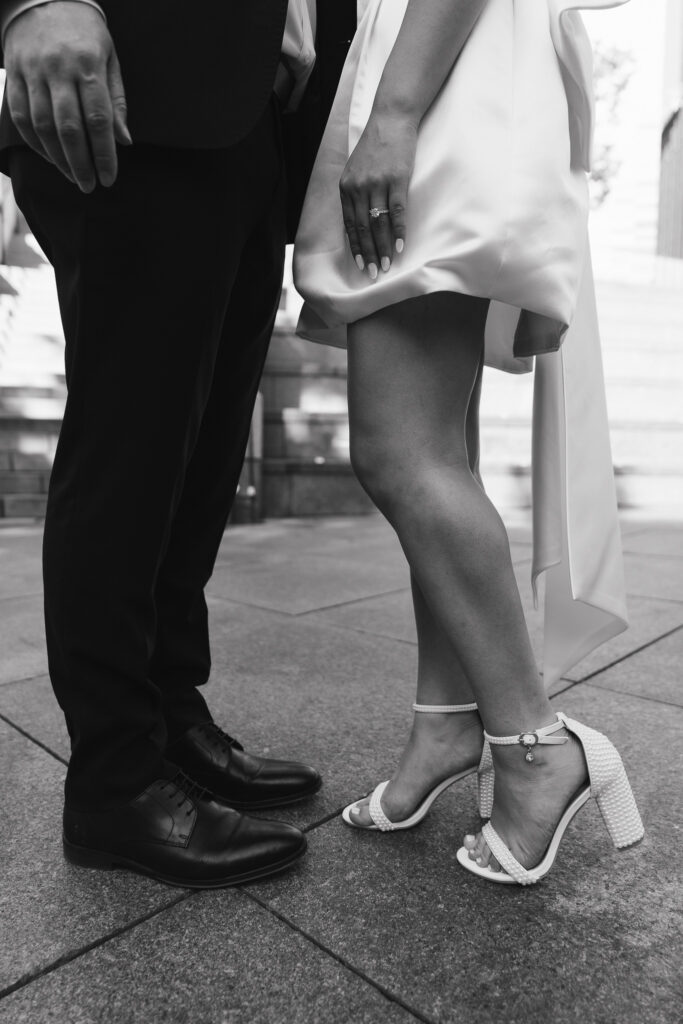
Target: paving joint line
x=629 y=654
x=354 y=600
x=308 y=611
x=652 y=554
x=24 y=679
x=68 y=958
x=20 y=597
x=38 y=743
x=323 y=821
x=370 y=632
x=387 y=993
x=655 y=597
x=637 y=696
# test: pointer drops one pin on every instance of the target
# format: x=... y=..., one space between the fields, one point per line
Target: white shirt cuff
x=14 y=9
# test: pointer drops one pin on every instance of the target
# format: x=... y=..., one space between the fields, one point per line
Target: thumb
x=118 y=100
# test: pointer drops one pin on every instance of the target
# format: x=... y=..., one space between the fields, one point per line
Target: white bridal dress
x=498 y=207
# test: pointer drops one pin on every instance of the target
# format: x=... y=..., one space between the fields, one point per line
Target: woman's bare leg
x=439 y=745
x=412 y=369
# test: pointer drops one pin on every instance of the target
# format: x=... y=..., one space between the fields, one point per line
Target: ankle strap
x=530 y=739
x=433 y=709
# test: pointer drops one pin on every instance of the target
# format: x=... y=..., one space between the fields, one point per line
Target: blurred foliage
x=612 y=70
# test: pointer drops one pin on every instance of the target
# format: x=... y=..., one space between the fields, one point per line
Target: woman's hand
x=376 y=178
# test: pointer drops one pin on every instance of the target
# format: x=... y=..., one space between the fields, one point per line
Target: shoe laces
x=221 y=738
x=187 y=790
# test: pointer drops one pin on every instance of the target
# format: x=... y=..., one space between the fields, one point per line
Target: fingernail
x=107 y=180
x=399 y=245
x=372 y=271
x=129 y=139
x=86 y=187
x=360 y=262
x=386 y=263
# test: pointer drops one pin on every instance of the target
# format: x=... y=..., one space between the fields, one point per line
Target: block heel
x=618 y=808
x=485 y=780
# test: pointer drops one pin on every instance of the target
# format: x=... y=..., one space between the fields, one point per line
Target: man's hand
x=64 y=90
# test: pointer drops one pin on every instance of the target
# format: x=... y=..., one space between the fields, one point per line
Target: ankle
x=520 y=722
x=446 y=723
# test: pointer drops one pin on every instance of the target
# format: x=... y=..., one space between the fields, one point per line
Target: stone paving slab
x=664 y=539
x=649 y=620
x=338 y=700
x=390 y=615
x=655 y=673
x=654 y=576
x=599 y=940
x=285 y=688
x=22 y=638
x=20 y=561
x=306 y=582
x=305 y=566
x=284 y=540
x=32 y=706
x=217 y=958
x=48 y=908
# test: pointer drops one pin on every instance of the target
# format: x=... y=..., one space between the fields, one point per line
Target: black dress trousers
x=168 y=285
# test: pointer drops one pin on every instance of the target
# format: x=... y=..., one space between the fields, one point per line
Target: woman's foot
x=440 y=745
x=530 y=798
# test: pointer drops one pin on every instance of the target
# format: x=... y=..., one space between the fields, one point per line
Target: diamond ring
x=377 y=211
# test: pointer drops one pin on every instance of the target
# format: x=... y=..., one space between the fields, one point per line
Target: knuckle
x=88 y=58
x=21 y=119
x=97 y=120
x=69 y=129
x=43 y=125
x=52 y=63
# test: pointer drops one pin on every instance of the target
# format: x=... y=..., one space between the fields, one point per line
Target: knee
x=381 y=472
x=404 y=481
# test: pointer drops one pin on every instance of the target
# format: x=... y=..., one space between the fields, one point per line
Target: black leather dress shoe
x=242 y=780
x=179 y=833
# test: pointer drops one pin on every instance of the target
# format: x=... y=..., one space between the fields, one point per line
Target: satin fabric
x=498 y=207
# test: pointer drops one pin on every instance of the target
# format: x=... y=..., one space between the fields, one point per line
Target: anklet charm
x=528 y=740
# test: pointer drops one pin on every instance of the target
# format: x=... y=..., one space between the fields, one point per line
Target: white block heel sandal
x=608 y=784
x=380 y=821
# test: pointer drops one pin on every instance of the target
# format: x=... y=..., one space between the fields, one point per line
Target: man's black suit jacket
x=199 y=75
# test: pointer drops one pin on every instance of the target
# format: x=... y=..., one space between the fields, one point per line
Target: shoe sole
x=85 y=857
x=264 y=805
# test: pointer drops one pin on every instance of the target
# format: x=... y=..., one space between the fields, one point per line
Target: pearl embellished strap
x=530 y=739
x=433 y=709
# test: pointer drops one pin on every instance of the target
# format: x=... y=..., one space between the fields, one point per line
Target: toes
x=485 y=857
x=474 y=846
x=360 y=814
